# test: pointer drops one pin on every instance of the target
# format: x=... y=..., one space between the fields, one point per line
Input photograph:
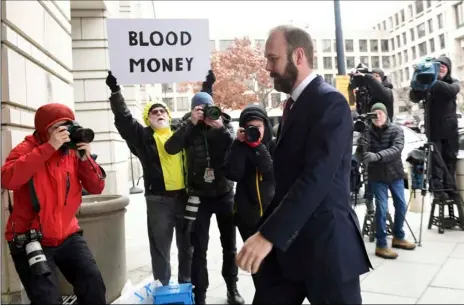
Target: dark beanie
x=252 y=112
x=379 y=106
x=201 y=98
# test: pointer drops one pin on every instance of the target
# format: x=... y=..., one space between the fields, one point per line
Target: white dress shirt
x=300 y=88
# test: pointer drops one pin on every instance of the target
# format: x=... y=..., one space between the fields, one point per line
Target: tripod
x=431 y=151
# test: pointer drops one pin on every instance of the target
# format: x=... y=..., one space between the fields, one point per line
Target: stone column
x=36 y=70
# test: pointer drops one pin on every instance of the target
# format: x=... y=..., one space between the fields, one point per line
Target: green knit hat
x=379 y=106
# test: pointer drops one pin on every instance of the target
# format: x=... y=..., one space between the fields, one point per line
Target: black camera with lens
x=362 y=121
x=252 y=134
x=78 y=134
x=30 y=242
x=358 y=81
x=212 y=112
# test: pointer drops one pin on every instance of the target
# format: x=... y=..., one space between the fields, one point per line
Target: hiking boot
x=440 y=196
x=233 y=296
x=403 y=244
x=386 y=253
x=200 y=297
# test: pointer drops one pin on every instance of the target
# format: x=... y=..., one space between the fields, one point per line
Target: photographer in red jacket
x=46 y=173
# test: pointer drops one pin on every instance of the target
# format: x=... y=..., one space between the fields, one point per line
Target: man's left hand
x=84 y=147
x=253 y=252
x=214 y=123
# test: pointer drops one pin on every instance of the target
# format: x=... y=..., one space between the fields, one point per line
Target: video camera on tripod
x=362 y=96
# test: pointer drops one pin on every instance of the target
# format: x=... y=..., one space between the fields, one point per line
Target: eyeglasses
x=156 y=111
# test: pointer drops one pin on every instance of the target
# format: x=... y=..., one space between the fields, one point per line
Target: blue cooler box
x=174 y=294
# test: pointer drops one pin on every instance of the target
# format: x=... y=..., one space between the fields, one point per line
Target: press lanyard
x=207 y=150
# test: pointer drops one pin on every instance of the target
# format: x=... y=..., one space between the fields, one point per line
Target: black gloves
x=370 y=157
x=112 y=83
x=208 y=84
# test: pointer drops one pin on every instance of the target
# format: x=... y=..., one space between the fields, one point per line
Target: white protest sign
x=149 y=51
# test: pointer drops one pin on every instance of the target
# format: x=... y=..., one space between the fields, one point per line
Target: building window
x=401 y=75
x=314 y=45
x=410 y=11
x=336 y=62
x=385 y=62
x=350 y=62
x=169 y=101
x=384 y=45
x=398 y=41
x=260 y=43
x=421 y=30
x=392 y=42
x=375 y=62
x=393 y=61
x=225 y=44
x=402 y=18
x=212 y=45
x=422 y=49
x=315 y=62
x=384 y=25
x=349 y=45
x=412 y=34
x=327 y=63
x=405 y=56
x=326 y=45
x=396 y=19
x=374 y=45
x=428 y=3
x=275 y=99
x=440 y=21
x=432 y=45
x=419 y=6
x=390 y=22
x=459 y=9
x=400 y=59
x=329 y=78
x=363 y=45
x=167 y=88
x=406 y=71
x=413 y=52
x=182 y=103
x=365 y=60
x=430 y=24
x=404 y=38
x=442 y=41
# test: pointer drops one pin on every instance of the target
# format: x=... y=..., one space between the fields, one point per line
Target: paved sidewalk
x=431 y=274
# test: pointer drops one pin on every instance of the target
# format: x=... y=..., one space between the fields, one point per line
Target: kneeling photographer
x=442 y=127
x=206 y=135
x=46 y=173
x=371 y=87
x=385 y=142
x=249 y=163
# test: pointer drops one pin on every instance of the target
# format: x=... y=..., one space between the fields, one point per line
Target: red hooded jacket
x=50 y=169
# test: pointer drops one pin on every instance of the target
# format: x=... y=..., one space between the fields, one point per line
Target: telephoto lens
x=37 y=259
x=191 y=211
x=212 y=112
x=252 y=134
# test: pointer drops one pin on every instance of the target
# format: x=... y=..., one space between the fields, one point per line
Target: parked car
x=407 y=120
x=460 y=123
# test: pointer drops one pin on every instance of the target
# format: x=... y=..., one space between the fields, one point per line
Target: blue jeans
x=380 y=191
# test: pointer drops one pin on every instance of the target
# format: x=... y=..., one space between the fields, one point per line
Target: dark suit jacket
x=310 y=222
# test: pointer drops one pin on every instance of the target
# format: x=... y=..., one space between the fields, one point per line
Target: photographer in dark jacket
x=249 y=163
x=206 y=142
x=385 y=142
x=442 y=128
x=163 y=176
x=379 y=88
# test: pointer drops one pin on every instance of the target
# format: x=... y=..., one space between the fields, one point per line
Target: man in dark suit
x=309 y=243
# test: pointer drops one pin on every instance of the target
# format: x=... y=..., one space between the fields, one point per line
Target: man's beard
x=284 y=83
x=159 y=124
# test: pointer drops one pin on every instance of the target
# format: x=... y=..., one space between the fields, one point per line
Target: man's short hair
x=297 y=38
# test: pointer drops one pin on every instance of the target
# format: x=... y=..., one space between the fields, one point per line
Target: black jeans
x=75 y=261
x=223 y=207
x=246 y=232
x=163 y=215
x=448 y=148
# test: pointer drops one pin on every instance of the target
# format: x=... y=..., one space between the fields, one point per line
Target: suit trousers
x=273 y=288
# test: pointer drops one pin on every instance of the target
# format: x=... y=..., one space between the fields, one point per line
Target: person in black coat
x=442 y=128
x=249 y=163
x=385 y=142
